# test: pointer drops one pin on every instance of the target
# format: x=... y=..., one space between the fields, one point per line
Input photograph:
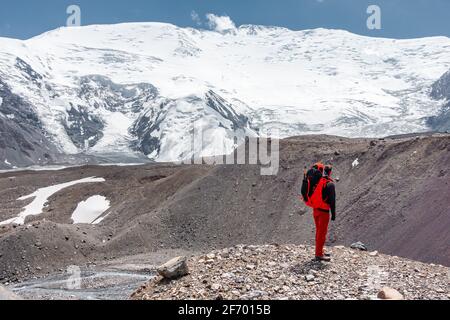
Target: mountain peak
x=272 y=79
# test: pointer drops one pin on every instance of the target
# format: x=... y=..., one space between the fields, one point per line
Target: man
x=318 y=191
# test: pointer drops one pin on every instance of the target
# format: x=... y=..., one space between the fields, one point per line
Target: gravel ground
x=288 y=272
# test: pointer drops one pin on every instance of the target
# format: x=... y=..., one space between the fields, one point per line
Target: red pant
x=321 y=219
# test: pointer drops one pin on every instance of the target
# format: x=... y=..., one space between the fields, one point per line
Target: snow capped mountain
x=172 y=129
x=140 y=87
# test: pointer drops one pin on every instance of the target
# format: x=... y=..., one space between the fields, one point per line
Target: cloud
x=196 y=18
x=220 y=23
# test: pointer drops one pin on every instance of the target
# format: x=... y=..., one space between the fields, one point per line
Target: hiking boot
x=323 y=258
x=327 y=254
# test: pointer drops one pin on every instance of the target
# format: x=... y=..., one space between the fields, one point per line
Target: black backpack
x=310 y=180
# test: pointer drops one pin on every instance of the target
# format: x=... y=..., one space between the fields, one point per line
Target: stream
x=91 y=285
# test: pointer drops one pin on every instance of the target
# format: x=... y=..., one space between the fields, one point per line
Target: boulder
x=389 y=294
x=359 y=245
x=173 y=269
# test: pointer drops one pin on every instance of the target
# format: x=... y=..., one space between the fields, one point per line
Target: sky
x=400 y=19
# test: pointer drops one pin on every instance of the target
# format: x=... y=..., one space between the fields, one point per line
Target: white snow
x=41 y=197
x=120 y=164
x=298 y=82
x=60 y=167
x=115 y=134
x=355 y=163
x=39 y=168
x=89 y=211
x=7 y=162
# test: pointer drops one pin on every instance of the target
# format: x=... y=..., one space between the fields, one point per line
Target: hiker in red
x=318 y=192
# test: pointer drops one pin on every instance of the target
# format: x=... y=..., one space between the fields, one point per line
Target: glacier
x=137 y=88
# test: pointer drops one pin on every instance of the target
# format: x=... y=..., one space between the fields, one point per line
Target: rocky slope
x=441 y=91
x=23 y=139
x=288 y=272
x=395 y=201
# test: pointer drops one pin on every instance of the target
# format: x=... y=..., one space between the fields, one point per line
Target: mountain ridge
x=284 y=82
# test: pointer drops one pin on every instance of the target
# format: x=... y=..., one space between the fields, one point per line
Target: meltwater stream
x=92 y=285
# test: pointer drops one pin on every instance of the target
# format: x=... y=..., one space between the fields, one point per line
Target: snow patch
x=41 y=198
x=355 y=163
x=89 y=211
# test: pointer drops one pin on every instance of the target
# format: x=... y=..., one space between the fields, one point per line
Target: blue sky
x=400 y=18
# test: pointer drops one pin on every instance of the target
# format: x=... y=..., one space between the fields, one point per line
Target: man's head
x=319 y=166
x=328 y=170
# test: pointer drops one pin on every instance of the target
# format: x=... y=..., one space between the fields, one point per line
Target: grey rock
x=441 y=91
x=81 y=126
x=441 y=88
x=174 y=269
x=389 y=294
x=23 y=140
x=253 y=295
x=359 y=245
x=309 y=278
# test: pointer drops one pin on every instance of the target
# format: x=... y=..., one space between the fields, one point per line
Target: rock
x=359 y=245
x=309 y=277
x=5 y=294
x=253 y=295
x=373 y=253
x=389 y=294
x=287 y=271
x=215 y=287
x=175 y=268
